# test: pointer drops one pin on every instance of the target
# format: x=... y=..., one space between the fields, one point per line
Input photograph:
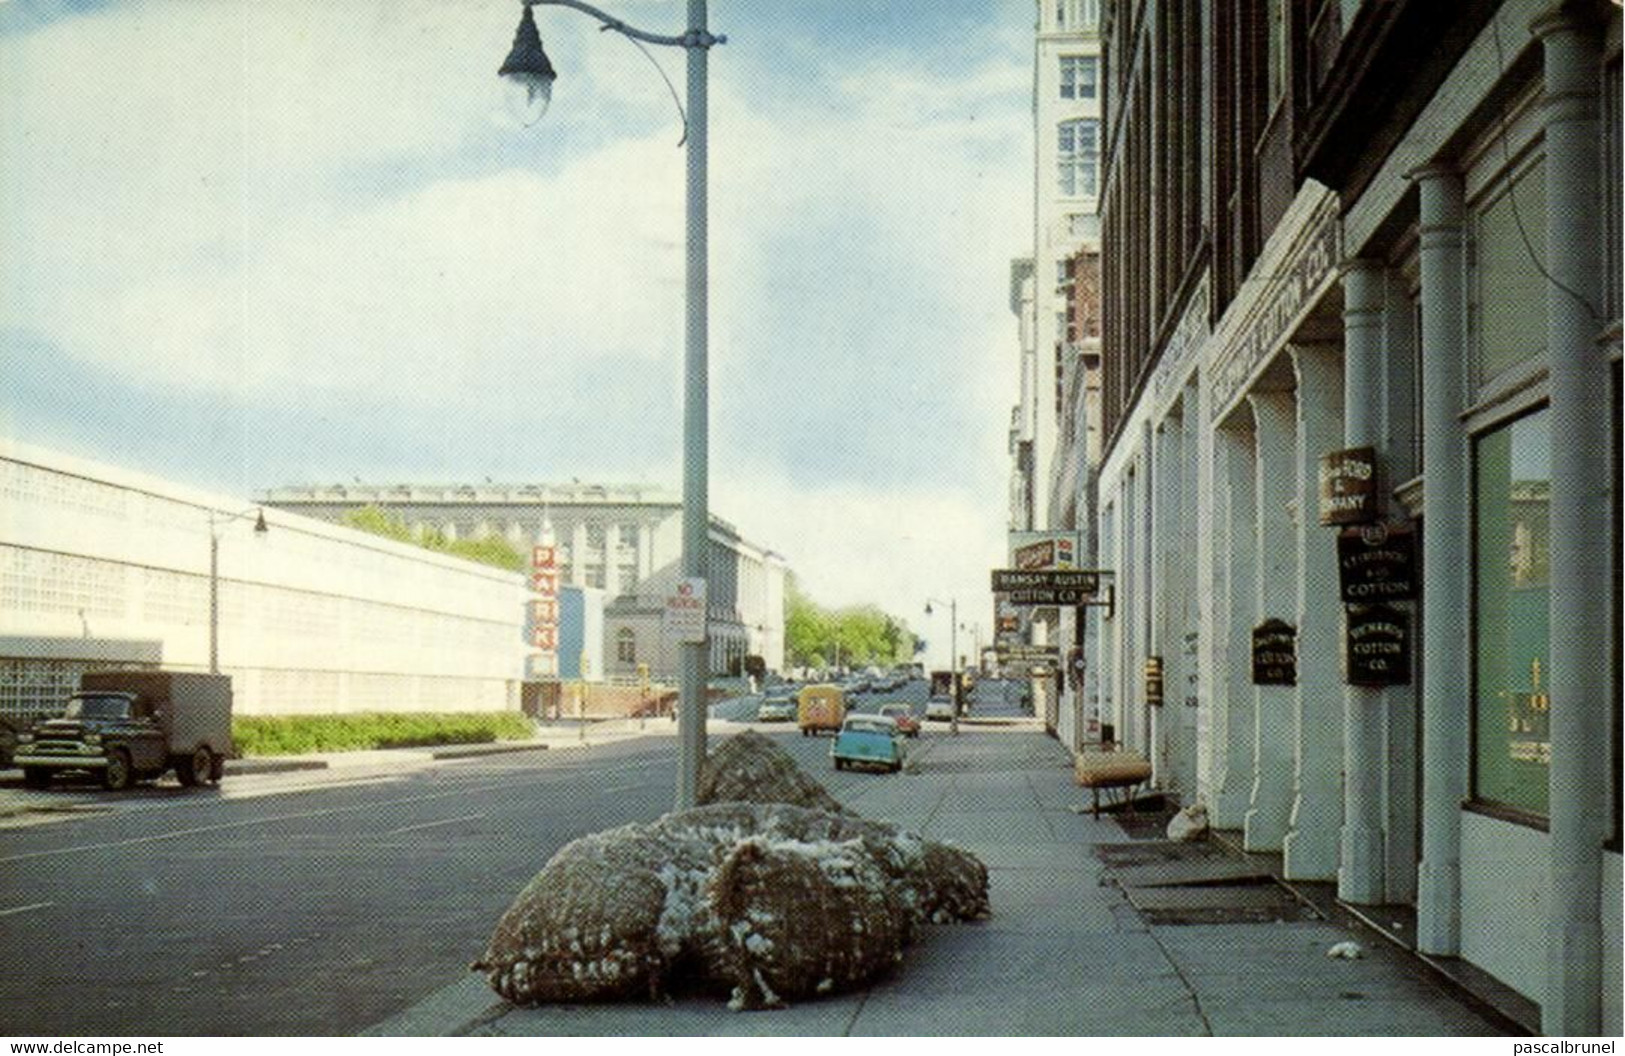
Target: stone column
x=578 y=554
x=1581 y=551
x=1310 y=850
x=1270 y=807
x=1401 y=722
x=1360 y=876
x=1235 y=594
x=1445 y=550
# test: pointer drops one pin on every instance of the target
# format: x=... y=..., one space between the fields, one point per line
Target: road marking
x=25 y=909
x=432 y=824
x=224 y=826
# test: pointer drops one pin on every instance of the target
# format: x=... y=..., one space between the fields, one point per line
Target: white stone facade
x=101 y=565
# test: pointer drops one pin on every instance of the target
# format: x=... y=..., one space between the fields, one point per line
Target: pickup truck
x=128 y=726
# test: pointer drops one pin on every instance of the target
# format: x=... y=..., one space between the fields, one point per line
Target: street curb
x=271 y=765
x=469 y=751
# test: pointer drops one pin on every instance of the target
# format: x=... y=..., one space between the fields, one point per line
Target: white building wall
x=1062 y=224
x=313 y=617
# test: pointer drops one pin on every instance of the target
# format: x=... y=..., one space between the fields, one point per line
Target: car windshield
x=868 y=726
x=97 y=708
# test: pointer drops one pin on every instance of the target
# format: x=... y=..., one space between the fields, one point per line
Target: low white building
x=622 y=539
x=102 y=566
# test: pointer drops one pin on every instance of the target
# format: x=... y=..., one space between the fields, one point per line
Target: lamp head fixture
x=528 y=73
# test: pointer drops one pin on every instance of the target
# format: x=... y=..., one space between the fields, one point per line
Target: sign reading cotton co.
x=1377 y=647
x=1348 y=486
x=1376 y=562
x=1275 y=654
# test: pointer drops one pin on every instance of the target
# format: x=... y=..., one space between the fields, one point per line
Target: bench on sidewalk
x=1120 y=773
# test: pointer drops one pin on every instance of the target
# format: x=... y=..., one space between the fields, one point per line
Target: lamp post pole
x=216 y=523
x=953 y=656
x=696 y=468
x=530 y=67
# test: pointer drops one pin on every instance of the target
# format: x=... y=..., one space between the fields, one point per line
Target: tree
x=488 y=550
x=858 y=634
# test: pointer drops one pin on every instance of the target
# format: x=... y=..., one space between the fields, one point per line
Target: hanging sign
x=1275 y=654
x=1083 y=581
x=1027 y=653
x=1153 y=680
x=1348 y=486
x=1377 y=562
x=1377 y=646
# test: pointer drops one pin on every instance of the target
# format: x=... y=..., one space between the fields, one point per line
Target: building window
x=1508 y=293
x=626 y=646
x=1077 y=14
x=595 y=536
x=1512 y=562
x=1080 y=76
x=595 y=576
x=628 y=534
x=1078 y=156
x=628 y=578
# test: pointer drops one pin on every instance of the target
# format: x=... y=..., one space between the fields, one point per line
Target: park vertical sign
x=544 y=610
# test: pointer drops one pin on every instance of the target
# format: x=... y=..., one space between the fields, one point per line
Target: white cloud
x=850 y=544
x=293 y=197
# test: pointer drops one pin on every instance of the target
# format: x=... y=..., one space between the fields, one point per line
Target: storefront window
x=1509 y=293
x=1512 y=564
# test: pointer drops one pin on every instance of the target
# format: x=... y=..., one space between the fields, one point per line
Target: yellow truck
x=820 y=708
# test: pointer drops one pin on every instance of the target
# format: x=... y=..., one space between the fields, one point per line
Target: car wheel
x=840 y=764
x=116 y=776
x=198 y=769
x=36 y=777
x=217 y=768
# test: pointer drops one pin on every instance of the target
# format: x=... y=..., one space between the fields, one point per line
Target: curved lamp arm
x=694 y=38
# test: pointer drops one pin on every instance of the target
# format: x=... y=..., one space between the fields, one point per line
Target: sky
x=247 y=243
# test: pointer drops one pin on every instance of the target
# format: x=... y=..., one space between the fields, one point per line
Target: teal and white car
x=868 y=740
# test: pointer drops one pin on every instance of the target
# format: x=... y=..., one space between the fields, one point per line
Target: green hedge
x=297 y=734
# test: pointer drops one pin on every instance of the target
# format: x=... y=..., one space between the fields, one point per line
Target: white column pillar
x=1401 y=722
x=1206 y=523
x=1445 y=550
x=1268 y=812
x=1235 y=594
x=1360 y=877
x=1166 y=602
x=1581 y=551
x=578 y=554
x=1310 y=849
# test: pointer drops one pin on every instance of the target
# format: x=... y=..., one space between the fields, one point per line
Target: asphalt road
x=308 y=905
x=318 y=911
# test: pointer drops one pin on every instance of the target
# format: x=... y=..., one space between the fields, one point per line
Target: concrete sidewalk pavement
x=1064 y=953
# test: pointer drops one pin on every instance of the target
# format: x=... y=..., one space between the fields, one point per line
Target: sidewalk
x=1064 y=953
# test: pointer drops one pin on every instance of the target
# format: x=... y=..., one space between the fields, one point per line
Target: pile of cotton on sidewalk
x=766 y=902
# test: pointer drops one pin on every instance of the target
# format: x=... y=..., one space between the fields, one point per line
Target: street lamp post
x=953 y=655
x=528 y=68
x=217 y=524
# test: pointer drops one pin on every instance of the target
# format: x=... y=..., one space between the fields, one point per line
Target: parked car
x=868 y=740
x=903 y=716
x=939 y=709
x=777 y=708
